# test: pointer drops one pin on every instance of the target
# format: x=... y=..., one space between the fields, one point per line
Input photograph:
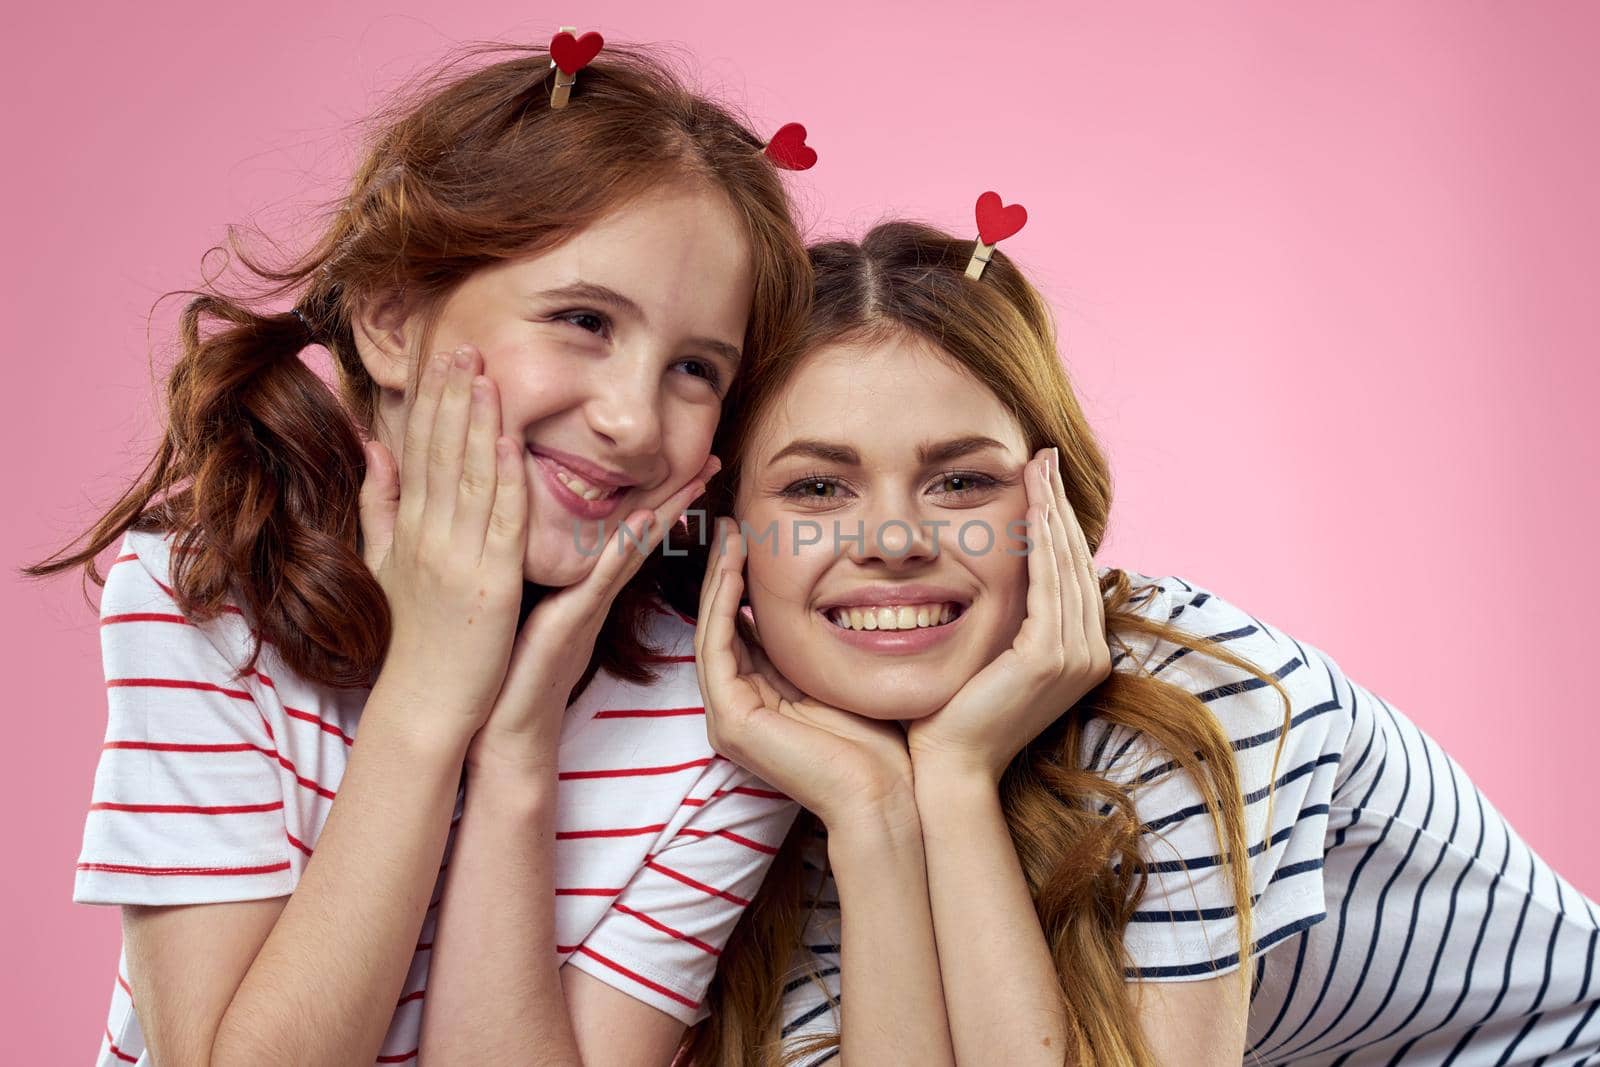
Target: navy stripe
x=1232 y=958
x=803 y=1018
x=809 y=979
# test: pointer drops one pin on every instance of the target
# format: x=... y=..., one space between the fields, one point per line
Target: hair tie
x=311 y=331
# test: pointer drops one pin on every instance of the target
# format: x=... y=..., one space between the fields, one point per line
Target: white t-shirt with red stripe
x=213 y=787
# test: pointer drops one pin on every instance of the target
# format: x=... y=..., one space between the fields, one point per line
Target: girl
x=1108 y=789
x=343 y=801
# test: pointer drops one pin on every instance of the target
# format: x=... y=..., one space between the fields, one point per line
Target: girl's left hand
x=1060 y=652
x=553 y=647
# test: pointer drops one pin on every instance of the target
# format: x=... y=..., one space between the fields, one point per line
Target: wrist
x=944 y=769
x=892 y=820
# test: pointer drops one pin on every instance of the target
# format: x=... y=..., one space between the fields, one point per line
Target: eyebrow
x=927 y=454
x=609 y=297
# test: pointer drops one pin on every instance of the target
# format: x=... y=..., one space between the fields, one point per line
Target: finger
x=479 y=483
x=379 y=503
x=419 y=428
x=708 y=582
x=507 y=538
x=1076 y=611
x=447 y=441
x=642 y=539
x=1094 y=600
x=720 y=663
x=1042 y=626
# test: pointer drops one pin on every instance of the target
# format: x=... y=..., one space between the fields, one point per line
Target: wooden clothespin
x=996 y=222
x=568 y=55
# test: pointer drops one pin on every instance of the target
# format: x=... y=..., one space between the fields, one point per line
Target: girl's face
x=612 y=354
x=895 y=440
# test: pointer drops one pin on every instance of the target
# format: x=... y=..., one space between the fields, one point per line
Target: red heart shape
x=996 y=223
x=571 y=53
x=788 y=148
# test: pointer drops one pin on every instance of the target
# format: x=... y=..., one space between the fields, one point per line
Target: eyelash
x=980 y=481
x=709 y=371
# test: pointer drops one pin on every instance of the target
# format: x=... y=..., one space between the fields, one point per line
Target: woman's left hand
x=1060 y=653
x=554 y=644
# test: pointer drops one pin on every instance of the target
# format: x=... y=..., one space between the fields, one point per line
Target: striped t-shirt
x=214 y=787
x=1398 y=917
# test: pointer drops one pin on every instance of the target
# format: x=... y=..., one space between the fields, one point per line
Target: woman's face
x=612 y=354
x=895 y=440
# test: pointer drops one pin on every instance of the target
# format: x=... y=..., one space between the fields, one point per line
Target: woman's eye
x=812 y=489
x=963 y=483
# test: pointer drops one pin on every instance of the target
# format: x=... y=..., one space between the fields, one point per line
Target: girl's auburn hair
x=259 y=471
x=1076 y=831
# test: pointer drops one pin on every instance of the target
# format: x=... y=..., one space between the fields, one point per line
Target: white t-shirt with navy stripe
x=1398 y=918
x=214 y=787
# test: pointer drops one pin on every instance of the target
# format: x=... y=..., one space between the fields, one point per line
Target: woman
x=301 y=676
x=1060 y=805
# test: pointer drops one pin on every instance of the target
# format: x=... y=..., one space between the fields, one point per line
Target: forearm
x=891 y=1001
x=324 y=986
x=1001 y=988
x=494 y=989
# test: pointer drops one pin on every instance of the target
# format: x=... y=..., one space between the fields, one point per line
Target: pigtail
x=258 y=474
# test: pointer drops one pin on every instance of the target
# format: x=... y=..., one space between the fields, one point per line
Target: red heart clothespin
x=996 y=222
x=788 y=148
x=569 y=55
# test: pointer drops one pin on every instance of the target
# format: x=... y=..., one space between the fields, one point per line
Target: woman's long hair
x=1076 y=832
x=259 y=471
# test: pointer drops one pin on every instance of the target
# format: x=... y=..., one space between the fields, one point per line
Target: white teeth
x=906 y=617
x=581 y=487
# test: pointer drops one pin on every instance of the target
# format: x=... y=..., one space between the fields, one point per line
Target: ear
x=381 y=327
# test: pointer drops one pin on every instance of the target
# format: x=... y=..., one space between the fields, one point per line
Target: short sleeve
x=1185 y=925
x=187 y=805
x=661 y=938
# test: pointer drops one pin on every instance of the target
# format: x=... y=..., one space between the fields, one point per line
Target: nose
x=624 y=406
x=894 y=535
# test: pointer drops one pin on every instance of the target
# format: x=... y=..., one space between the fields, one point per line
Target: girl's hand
x=555 y=643
x=1060 y=652
x=445 y=535
x=837 y=764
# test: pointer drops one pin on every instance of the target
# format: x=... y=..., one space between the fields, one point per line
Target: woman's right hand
x=445 y=534
x=839 y=765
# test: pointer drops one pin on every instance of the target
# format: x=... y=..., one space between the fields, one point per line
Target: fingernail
x=715 y=464
x=1055 y=459
x=463 y=357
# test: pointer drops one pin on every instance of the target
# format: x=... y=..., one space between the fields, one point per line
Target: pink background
x=1342 y=254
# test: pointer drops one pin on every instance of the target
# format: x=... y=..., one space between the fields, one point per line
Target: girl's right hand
x=445 y=534
x=839 y=765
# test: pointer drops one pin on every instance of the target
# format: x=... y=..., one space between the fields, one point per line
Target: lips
x=582 y=488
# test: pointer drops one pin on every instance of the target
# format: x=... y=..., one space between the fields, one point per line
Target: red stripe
x=588 y=892
x=747 y=791
x=123 y=982
x=620 y=969
x=631 y=772
x=424 y=946
x=188 y=809
x=670 y=659
x=686 y=880
x=123 y=868
x=117 y=1052
x=144 y=616
x=647 y=713
x=326 y=727
x=129 y=558
x=566 y=949
x=693 y=802
x=731 y=836
x=626 y=831
x=175 y=683
x=400 y=1057
x=410 y=997
x=174 y=746
x=664 y=928
x=297 y=843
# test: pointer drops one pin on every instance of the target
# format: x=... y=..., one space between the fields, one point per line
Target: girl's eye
x=588 y=321
x=957 y=483
x=700 y=368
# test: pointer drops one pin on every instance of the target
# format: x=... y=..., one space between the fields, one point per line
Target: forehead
x=883 y=397
x=679 y=252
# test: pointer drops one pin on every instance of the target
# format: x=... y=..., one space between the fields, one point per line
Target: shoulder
x=139 y=607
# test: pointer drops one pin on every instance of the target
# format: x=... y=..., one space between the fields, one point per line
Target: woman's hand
x=444 y=534
x=554 y=645
x=837 y=764
x=1060 y=652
